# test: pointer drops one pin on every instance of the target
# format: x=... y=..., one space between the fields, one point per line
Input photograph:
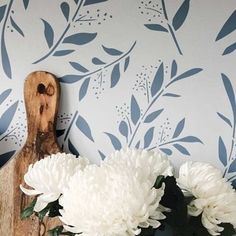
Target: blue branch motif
x=5 y=121
x=6 y=10
x=119 y=64
x=166 y=25
x=67 y=38
x=65 y=124
x=134 y=117
x=228 y=27
x=228 y=156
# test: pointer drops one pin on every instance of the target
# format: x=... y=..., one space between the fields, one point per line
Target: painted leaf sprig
x=2 y=12
x=65 y=9
x=26 y=4
x=226 y=151
x=16 y=27
x=170 y=26
x=48 y=33
x=228 y=27
x=84 y=127
x=4 y=53
x=176 y=141
x=7 y=117
x=121 y=59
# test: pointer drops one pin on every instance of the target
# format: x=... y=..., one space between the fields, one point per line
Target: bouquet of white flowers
x=132 y=192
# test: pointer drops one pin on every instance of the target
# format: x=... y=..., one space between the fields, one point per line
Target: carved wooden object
x=41 y=93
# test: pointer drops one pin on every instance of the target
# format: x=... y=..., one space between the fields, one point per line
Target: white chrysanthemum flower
x=49 y=176
x=214 y=197
x=148 y=164
x=116 y=198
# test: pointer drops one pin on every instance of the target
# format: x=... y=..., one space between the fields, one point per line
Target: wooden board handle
x=41 y=93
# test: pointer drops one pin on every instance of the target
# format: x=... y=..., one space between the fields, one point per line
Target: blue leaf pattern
x=5 y=58
x=152 y=116
x=230 y=92
x=158 y=80
x=181 y=15
x=229 y=49
x=48 y=33
x=127 y=59
x=112 y=51
x=190 y=139
x=173 y=69
x=61 y=53
x=78 y=67
x=97 y=61
x=80 y=38
x=84 y=88
x=83 y=126
x=2 y=12
x=186 y=74
x=115 y=141
x=179 y=128
x=167 y=151
x=123 y=128
x=222 y=152
x=148 y=137
x=5 y=157
x=90 y=2
x=16 y=27
x=26 y=4
x=65 y=8
x=60 y=132
x=228 y=27
x=137 y=144
x=115 y=75
x=72 y=148
x=4 y=95
x=181 y=149
x=7 y=117
x=232 y=167
x=135 y=110
x=156 y=27
x=173 y=95
x=225 y=119
x=102 y=155
x=69 y=79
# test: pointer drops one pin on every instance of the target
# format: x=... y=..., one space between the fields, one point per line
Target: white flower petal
x=29 y=192
x=50 y=176
x=117 y=197
x=215 y=197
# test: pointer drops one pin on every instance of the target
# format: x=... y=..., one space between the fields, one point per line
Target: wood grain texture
x=41 y=93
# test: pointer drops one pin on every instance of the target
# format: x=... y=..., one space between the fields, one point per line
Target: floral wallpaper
x=153 y=74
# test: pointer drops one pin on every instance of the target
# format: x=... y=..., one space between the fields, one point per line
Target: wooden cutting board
x=41 y=93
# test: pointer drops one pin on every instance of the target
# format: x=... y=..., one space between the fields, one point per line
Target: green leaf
x=42 y=213
x=159 y=181
x=228 y=230
x=52 y=209
x=55 y=231
x=28 y=211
